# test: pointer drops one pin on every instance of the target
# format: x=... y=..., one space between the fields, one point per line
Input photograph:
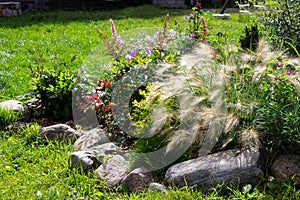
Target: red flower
x=98 y=100
x=107 y=83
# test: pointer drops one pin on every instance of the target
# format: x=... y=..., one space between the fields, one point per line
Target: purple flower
x=133 y=53
x=279 y=64
x=130 y=55
x=139 y=39
x=149 y=39
x=183 y=49
x=172 y=33
x=191 y=36
x=186 y=17
x=148 y=52
x=137 y=47
x=131 y=40
x=107 y=67
x=119 y=41
x=288 y=72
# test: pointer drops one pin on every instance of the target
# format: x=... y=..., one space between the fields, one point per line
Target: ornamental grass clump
x=252 y=100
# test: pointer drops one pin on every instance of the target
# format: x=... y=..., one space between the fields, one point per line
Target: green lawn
x=31 y=169
x=49 y=39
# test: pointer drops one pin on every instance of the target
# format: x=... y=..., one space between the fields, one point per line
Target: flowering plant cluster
x=102 y=102
x=153 y=46
x=99 y=101
x=197 y=28
x=163 y=46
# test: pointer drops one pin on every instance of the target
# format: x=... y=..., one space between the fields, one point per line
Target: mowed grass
x=31 y=168
x=54 y=38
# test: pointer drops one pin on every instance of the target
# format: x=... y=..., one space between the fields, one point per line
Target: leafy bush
x=279 y=117
x=54 y=88
x=282 y=28
x=251 y=38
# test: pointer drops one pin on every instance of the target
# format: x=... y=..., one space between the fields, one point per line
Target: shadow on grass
x=61 y=17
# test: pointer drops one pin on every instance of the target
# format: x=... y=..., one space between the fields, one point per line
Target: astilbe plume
x=115 y=46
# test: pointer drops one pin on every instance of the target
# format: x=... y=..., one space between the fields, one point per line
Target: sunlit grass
x=49 y=39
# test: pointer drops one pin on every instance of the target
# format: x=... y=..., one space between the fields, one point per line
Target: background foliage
x=282 y=28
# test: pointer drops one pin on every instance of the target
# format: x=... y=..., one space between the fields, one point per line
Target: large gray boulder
x=113 y=171
x=84 y=160
x=91 y=139
x=104 y=150
x=232 y=166
x=12 y=105
x=138 y=180
x=287 y=167
x=16 y=106
x=60 y=132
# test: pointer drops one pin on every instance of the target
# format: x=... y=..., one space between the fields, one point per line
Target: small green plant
x=7 y=117
x=250 y=39
x=196 y=26
x=54 y=88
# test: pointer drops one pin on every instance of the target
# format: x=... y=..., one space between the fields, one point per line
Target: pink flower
x=198 y=5
x=113 y=28
x=288 y=72
x=279 y=64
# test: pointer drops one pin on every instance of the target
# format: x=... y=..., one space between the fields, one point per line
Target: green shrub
x=279 y=118
x=282 y=28
x=250 y=39
x=54 y=88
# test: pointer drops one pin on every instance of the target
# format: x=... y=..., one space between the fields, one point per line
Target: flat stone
x=84 y=160
x=60 y=132
x=222 y=16
x=157 y=187
x=232 y=166
x=104 y=150
x=138 y=180
x=113 y=171
x=287 y=167
x=91 y=139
